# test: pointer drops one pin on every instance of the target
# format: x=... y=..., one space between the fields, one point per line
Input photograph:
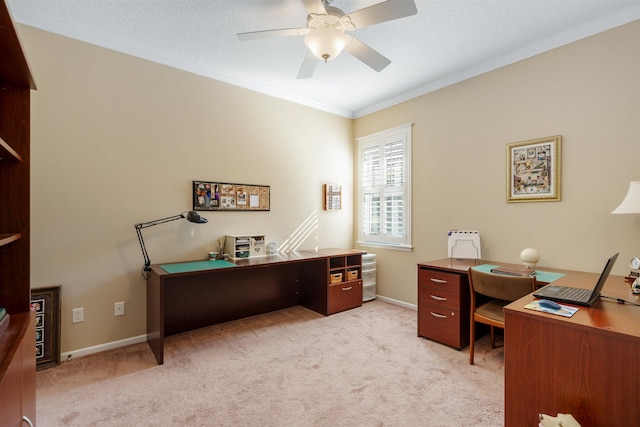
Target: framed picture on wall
x=46 y=303
x=533 y=170
x=331 y=197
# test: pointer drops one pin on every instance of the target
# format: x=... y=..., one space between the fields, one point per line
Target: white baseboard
x=102 y=347
x=397 y=302
x=142 y=338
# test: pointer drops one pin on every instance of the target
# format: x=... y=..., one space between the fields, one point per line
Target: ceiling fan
x=325 y=33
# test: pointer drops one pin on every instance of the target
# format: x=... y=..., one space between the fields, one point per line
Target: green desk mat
x=541 y=276
x=185 y=267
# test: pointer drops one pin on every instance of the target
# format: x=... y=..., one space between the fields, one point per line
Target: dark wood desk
x=180 y=302
x=587 y=365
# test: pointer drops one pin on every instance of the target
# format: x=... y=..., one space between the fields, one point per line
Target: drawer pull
x=26 y=419
x=438 y=280
x=437 y=298
x=347 y=289
x=440 y=316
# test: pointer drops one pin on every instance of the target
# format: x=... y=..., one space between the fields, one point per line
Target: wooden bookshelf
x=17 y=342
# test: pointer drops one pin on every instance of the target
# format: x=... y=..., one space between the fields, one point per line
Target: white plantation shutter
x=371 y=174
x=383 y=188
x=394 y=189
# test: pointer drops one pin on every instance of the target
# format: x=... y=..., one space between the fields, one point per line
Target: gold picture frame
x=533 y=170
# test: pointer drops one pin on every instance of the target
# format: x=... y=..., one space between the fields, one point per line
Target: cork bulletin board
x=223 y=196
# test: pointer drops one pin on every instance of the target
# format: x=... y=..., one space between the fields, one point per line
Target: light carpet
x=293 y=367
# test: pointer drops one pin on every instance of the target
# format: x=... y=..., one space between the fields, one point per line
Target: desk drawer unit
x=344 y=296
x=443 y=306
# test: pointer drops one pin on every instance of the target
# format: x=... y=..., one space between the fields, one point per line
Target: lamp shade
x=326 y=43
x=193 y=216
x=631 y=202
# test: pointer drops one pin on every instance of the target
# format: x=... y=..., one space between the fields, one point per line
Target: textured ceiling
x=445 y=42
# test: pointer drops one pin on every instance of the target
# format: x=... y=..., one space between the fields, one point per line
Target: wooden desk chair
x=501 y=289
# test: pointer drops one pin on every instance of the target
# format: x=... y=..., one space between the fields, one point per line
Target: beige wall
x=117 y=140
x=588 y=92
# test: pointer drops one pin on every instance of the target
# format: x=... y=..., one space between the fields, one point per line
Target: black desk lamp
x=191 y=217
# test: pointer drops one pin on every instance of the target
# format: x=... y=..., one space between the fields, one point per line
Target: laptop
x=578 y=296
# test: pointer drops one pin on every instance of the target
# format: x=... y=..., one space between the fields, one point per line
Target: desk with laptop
x=586 y=365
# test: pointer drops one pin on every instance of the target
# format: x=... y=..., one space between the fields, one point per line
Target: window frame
x=402 y=132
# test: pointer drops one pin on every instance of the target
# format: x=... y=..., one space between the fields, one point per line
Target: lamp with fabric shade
x=631 y=202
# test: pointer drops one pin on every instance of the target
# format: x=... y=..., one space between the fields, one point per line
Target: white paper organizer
x=464 y=244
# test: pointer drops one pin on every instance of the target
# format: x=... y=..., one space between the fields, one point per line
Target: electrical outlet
x=77 y=315
x=119 y=309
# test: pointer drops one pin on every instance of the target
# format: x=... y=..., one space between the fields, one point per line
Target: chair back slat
x=501 y=286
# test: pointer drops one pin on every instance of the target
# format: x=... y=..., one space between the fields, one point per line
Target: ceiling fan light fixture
x=326 y=43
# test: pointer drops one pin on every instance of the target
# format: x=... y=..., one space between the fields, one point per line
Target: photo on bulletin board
x=533 y=170
x=46 y=303
x=224 y=196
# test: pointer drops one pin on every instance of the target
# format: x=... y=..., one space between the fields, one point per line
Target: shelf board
x=11 y=338
x=8 y=153
x=6 y=238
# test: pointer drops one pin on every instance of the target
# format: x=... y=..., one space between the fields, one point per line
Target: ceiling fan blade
x=267 y=34
x=366 y=54
x=382 y=12
x=314 y=6
x=308 y=66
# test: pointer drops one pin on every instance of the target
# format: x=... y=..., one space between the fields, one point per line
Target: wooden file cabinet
x=345 y=292
x=443 y=305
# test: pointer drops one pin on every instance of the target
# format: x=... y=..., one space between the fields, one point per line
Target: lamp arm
x=191 y=216
x=147 y=261
x=140 y=226
x=159 y=221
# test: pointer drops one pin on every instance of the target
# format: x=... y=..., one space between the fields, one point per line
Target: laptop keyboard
x=576 y=294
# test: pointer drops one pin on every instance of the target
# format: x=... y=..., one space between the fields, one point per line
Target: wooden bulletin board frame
x=46 y=303
x=224 y=196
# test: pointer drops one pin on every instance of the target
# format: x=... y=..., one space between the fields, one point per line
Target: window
x=384 y=189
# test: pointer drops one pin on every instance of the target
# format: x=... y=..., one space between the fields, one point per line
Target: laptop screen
x=603 y=277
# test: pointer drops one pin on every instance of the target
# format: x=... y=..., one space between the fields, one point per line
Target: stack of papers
x=514 y=271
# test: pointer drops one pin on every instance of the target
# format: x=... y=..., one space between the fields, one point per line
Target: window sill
x=390 y=246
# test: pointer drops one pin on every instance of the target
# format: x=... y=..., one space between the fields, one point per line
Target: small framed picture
x=332 y=197
x=46 y=303
x=533 y=170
